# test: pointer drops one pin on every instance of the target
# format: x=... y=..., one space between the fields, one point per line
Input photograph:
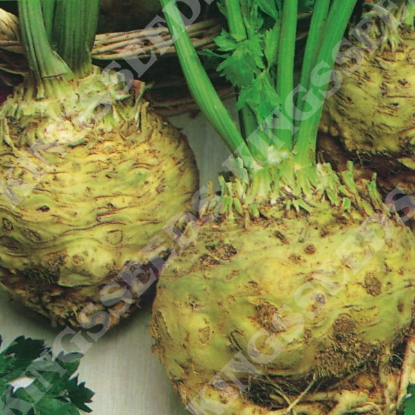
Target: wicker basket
x=168 y=93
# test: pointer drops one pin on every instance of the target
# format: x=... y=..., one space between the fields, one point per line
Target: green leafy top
x=409 y=403
x=52 y=388
x=258 y=50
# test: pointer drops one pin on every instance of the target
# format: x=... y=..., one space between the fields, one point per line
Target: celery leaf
x=271 y=39
x=261 y=97
x=268 y=7
x=244 y=59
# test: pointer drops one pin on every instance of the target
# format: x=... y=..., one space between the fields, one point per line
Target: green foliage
x=52 y=388
x=249 y=55
x=270 y=8
x=248 y=62
x=261 y=98
x=244 y=59
x=305 y=5
x=409 y=403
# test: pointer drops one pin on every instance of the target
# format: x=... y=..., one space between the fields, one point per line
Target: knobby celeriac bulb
x=370 y=116
x=292 y=310
x=87 y=180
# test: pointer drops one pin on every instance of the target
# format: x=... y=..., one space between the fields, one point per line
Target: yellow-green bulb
x=86 y=182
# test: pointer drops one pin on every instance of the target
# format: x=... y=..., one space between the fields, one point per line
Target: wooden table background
x=120 y=367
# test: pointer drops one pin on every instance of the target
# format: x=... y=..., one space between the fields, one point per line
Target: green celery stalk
x=201 y=87
x=285 y=70
x=44 y=63
x=57 y=48
x=306 y=137
x=48 y=12
x=326 y=31
x=315 y=38
x=74 y=33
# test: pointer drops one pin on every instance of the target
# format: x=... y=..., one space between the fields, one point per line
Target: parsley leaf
x=409 y=403
x=19 y=355
x=51 y=390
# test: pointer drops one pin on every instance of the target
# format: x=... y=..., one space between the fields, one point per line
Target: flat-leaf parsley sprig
x=51 y=388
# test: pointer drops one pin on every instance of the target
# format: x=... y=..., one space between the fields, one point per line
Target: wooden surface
x=120 y=367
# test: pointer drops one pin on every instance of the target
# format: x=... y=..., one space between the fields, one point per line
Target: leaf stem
x=314 y=40
x=235 y=20
x=74 y=33
x=285 y=72
x=201 y=87
x=238 y=31
x=45 y=65
x=48 y=11
x=319 y=78
x=409 y=14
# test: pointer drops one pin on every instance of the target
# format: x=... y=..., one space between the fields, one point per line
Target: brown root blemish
x=372 y=285
x=344 y=328
x=269 y=317
x=204 y=335
x=310 y=249
x=295 y=258
x=206 y=259
x=281 y=237
x=308 y=334
x=324 y=232
x=345 y=357
x=222 y=251
x=387 y=267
